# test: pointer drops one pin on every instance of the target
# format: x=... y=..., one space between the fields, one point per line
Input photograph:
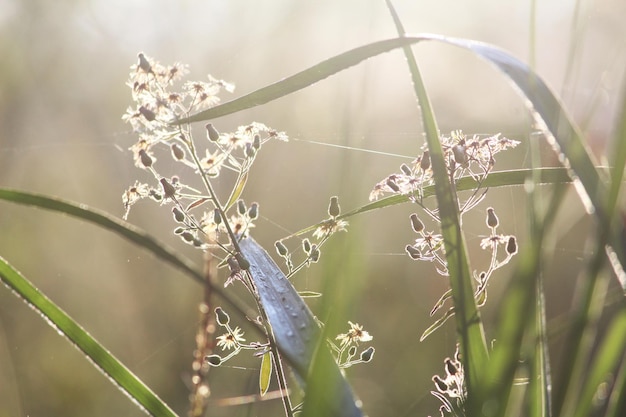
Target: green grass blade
x=120 y=227
x=117 y=373
x=106 y=221
x=590 y=183
x=300 y=80
x=607 y=359
x=299 y=337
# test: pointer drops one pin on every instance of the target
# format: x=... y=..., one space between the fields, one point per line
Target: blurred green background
x=63 y=69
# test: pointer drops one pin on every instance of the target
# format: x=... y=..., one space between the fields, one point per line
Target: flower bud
x=212 y=132
x=250 y=151
x=253 y=211
x=147 y=113
x=306 y=245
x=425 y=161
x=281 y=248
x=367 y=354
x=241 y=207
x=217 y=216
x=144 y=64
x=440 y=384
x=178 y=153
x=146 y=160
x=315 y=253
x=242 y=261
x=168 y=188
x=511 y=246
x=352 y=351
x=492 y=219
x=392 y=184
x=413 y=252
x=460 y=155
x=416 y=223
x=213 y=360
x=222 y=317
x=406 y=170
x=187 y=236
x=333 y=209
x=256 y=142
x=179 y=216
x=451 y=368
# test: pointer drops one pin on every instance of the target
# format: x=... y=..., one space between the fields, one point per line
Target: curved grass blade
x=106 y=221
x=298 y=336
x=122 y=228
x=469 y=326
x=565 y=137
x=110 y=366
x=300 y=80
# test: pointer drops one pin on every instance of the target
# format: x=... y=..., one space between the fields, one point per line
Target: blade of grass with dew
x=108 y=364
x=297 y=335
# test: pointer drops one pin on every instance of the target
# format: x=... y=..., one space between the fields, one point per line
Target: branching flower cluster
x=346 y=352
x=321 y=233
x=451 y=389
x=464 y=157
x=154 y=117
x=205 y=220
